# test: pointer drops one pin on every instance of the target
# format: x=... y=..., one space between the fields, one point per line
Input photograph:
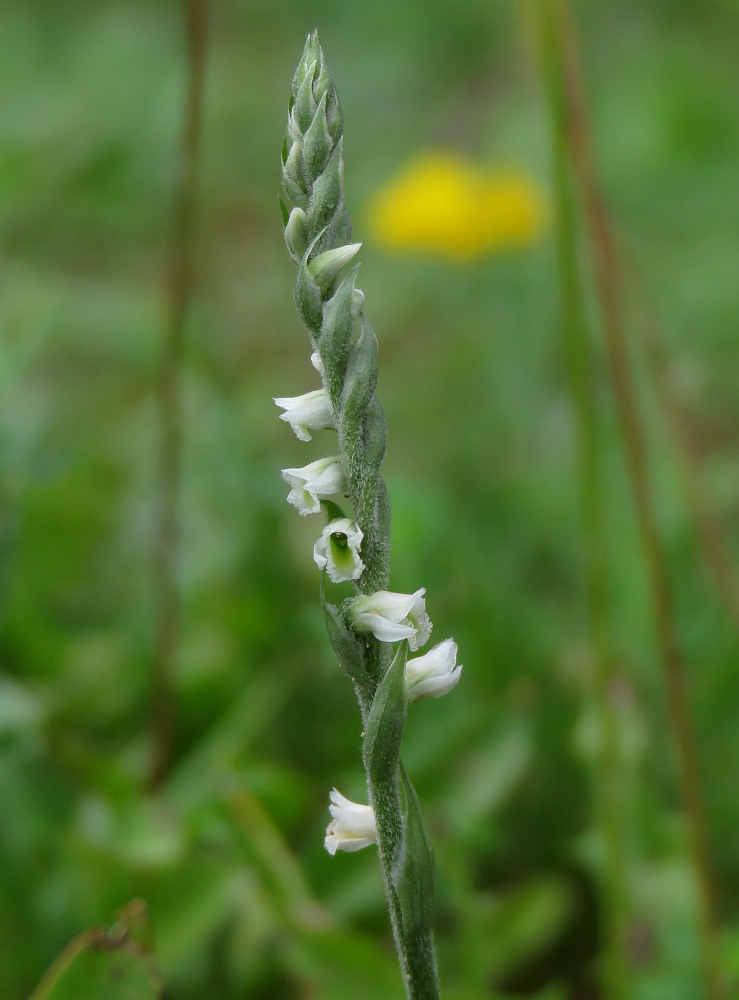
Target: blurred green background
x=481 y=468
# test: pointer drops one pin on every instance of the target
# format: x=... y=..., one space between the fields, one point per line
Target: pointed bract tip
x=311 y=54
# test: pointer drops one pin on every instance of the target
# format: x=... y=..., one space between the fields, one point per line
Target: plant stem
x=181 y=271
x=414 y=945
x=316 y=226
x=578 y=357
x=605 y=265
x=709 y=526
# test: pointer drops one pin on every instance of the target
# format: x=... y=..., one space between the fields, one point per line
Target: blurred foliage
x=118 y=965
x=244 y=901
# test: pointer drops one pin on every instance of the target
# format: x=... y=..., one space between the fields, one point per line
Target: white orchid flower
x=314 y=482
x=337 y=550
x=391 y=617
x=352 y=826
x=434 y=673
x=309 y=412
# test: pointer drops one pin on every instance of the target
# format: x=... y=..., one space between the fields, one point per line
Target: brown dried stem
x=181 y=274
x=710 y=528
x=578 y=355
x=605 y=262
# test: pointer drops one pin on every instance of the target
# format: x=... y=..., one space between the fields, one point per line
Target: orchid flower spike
x=434 y=673
x=309 y=412
x=337 y=550
x=391 y=617
x=318 y=233
x=352 y=826
x=313 y=483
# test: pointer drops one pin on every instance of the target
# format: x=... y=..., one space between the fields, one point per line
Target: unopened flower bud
x=326 y=266
x=296 y=233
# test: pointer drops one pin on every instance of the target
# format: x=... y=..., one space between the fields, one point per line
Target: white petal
x=422 y=628
x=393 y=606
x=330 y=481
x=435 y=687
x=439 y=660
x=311 y=411
x=433 y=674
x=353 y=816
x=418 y=618
x=320 y=553
x=319 y=479
x=352 y=825
x=384 y=629
x=341 y=562
x=338 y=840
x=309 y=471
x=304 y=502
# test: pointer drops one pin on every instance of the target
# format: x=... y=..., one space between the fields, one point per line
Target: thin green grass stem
x=577 y=350
x=601 y=246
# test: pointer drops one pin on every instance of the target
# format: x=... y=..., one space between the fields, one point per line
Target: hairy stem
x=578 y=356
x=318 y=234
x=181 y=272
x=605 y=265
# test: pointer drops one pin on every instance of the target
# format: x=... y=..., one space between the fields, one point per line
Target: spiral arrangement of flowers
x=372 y=631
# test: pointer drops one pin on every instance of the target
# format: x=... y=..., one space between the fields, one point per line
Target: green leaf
x=361 y=374
x=336 y=333
x=308 y=296
x=311 y=54
x=285 y=213
x=375 y=440
x=332 y=510
x=386 y=723
x=317 y=143
x=345 y=644
x=328 y=190
x=327 y=266
x=413 y=871
x=305 y=105
x=293 y=191
x=118 y=964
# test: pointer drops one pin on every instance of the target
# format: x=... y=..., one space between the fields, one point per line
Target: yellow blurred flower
x=443 y=205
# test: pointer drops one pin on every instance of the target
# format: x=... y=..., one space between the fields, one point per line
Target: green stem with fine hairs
x=577 y=350
x=318 y=235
